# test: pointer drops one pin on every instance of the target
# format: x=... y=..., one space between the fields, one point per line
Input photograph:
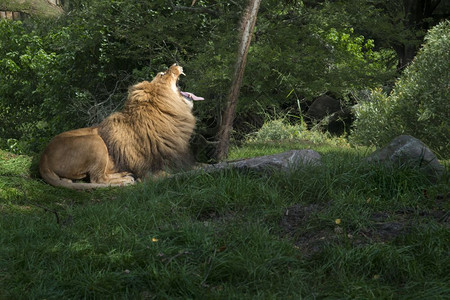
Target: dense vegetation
x=343 y=230
x=72 y=71
x=419 y=105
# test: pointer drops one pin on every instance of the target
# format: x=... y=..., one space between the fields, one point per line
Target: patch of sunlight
x=80 y=246
x=6 y=192
x=16 y=208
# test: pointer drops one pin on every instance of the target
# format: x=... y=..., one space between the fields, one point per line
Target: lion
x=148 y=136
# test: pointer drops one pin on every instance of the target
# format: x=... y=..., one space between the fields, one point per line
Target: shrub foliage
x=73 y=71
x=419 y=104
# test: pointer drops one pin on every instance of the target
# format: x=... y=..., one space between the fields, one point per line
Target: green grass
x=230 y=235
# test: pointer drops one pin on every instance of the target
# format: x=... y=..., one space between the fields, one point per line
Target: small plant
x=277 y=130
x=373 y=125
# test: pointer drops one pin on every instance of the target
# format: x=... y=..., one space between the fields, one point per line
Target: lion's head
x=169 y=78
x=162 y=90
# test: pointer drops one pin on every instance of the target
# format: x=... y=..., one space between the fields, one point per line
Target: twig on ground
x=49 y=210
x=58 y=219
x=177 y=255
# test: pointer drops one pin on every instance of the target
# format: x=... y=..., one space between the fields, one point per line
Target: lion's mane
x=153 y=130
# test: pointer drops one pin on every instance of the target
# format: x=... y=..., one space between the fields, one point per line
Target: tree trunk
x=226 y=126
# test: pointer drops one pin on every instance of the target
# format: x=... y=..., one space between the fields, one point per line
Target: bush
x=73 y=71
x=372 y=125
x=278 y=130
x=30 y=89
x=419 y=104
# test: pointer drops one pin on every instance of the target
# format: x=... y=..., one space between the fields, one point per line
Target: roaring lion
x=150 y=134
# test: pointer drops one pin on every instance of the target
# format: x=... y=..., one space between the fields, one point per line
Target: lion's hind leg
x=102 y=170
x=104 y=173
x=112 y=178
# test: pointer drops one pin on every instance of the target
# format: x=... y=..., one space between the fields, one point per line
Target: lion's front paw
x=128 y=179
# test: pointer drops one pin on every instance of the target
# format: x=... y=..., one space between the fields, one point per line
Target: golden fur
x=150 y=134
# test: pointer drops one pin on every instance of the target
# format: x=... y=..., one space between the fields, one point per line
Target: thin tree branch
x=202 y=10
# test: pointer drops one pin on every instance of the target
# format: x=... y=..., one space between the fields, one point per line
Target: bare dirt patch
x=295 y=224
x=301 y=224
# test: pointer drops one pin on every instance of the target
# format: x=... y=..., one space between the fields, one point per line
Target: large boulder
x=407 y=150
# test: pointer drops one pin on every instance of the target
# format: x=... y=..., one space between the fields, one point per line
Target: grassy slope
x=229 y=235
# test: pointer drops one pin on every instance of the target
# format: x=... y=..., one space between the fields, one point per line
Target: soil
x=297 y=223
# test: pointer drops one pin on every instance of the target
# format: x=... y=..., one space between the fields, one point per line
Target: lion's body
x=150 y=134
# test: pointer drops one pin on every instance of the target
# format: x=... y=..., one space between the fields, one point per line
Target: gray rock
x=407 y=150
x=282 y=161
